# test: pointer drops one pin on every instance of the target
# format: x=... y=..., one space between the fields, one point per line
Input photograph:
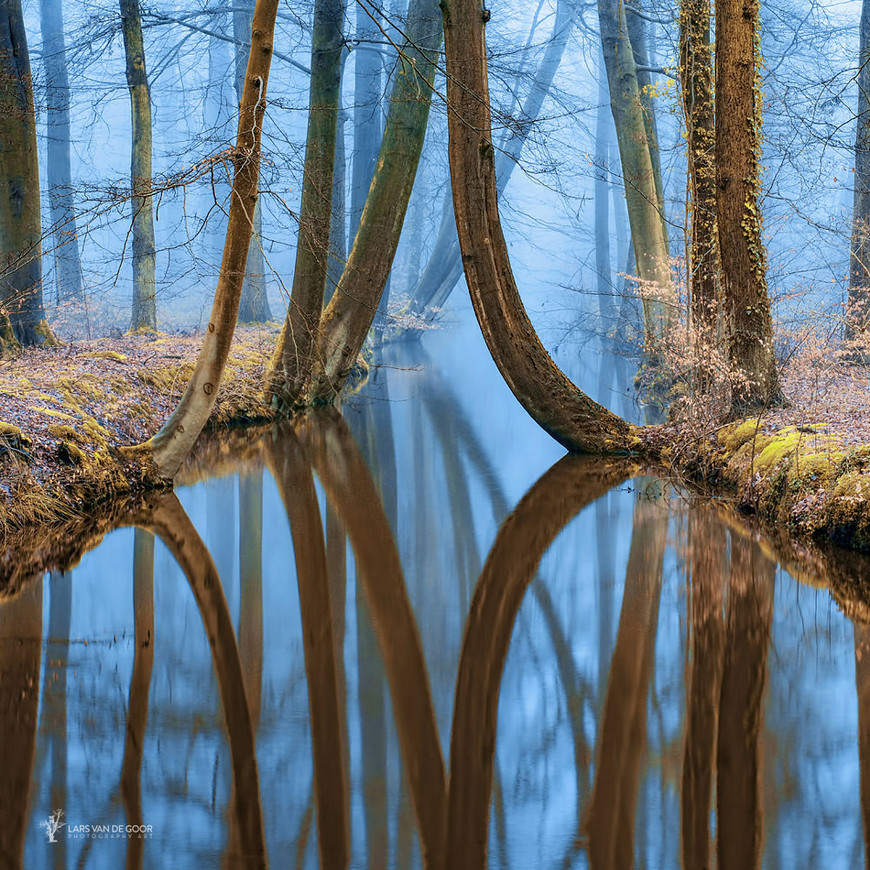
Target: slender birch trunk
x=858 y=313
x=144 y=314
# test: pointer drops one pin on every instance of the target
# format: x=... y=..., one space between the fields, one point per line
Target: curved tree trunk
x=444 y=266
x=738 y=182
x=144 y=314
x=294 y=353
x=254 y=304
x=642 y=187
x=569 y=415
x=22 y=315
x=349 y=315
x=172 y=443
x=702 y=254
x=67 y=262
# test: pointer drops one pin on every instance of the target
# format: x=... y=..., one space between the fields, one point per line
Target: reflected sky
x=415 y=636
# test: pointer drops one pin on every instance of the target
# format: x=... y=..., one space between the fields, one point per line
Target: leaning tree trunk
x=444 y=266
x=738 y=182
x=254 y=305
x=144 y=315
x=67 y=262
x=22 y=316
x=858 y=313
x=638 y=171
x=349 y=315
x=569 y=415
x=702 y=254
x=293 y=359
x=169 y=447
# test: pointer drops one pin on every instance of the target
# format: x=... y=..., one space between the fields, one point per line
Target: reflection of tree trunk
x=351 y=491
x=862 y=683
x=251 y=572
x=738 y=786
x=707 y=565
x=169 y=521
x=20 y=654
x=53 y=724
x=521 y=542
x=295 y=482
x=140 y=682
x=622 y=727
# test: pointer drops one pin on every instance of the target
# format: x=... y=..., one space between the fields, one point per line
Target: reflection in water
x=399 y=704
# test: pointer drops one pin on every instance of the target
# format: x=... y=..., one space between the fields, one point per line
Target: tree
x=67 y=262
x=702 y=254
x=565 y=412
x=344 y=325
x=169 y=447
x=738 y=209
x=292 y=361
x=22 y=315
x=637 y=151
x=254 y=304
x=859 y=259
x=144 y=314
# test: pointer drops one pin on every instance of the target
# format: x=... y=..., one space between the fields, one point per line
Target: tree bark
x=642 y=187
x=858 y=313
x=349 y=315
x=254 y=304
x=294 y=354
x=144 y=314
x=22 y=315
x=444 y=266
x=738 y=182
x=67 y=262
x=702 y=254
x=570 y=416
x=169 y=447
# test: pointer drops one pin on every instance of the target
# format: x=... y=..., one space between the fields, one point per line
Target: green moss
x=106 y=354
x=733 y=437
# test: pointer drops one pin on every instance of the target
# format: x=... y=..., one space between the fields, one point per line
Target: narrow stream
x=416 y=635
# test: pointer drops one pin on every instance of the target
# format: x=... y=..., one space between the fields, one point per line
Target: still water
x=414 y=635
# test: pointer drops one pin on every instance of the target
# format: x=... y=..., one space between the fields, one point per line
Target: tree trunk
x=738 y=168
x=603 y=272
x=702 y=254
x=67 y=263
x=254 y=304
x=642 y=187
x=22 y=316
x=707 y=584
x=172 y=443
x=570 y=416
x=140 y=683
x=349 y=315
x=858 y=313
x=444 y=267
x=144 y=258
x=738 y=754
x=294 y=354
x=367 y=121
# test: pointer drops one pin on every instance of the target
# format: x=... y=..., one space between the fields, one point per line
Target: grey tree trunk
x=144 y=315
x=67 y=262
x=23 y=320
x=254 y=304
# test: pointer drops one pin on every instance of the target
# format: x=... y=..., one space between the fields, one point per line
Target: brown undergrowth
x=65 y=411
